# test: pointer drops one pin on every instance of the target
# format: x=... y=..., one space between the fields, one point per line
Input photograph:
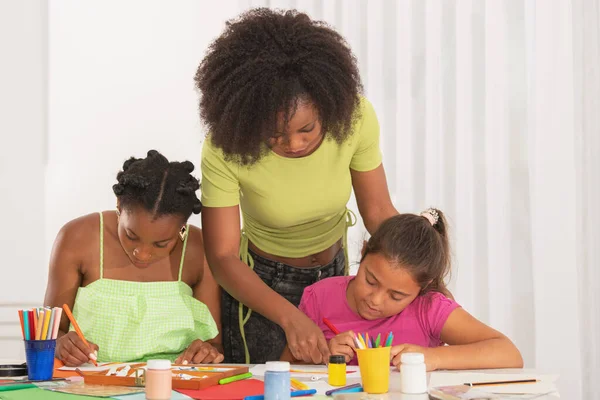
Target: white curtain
x=489 y=111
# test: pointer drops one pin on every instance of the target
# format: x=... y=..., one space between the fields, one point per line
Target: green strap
x=101 y=245
x=247 y=259
x=187 y=229
x=350 y=221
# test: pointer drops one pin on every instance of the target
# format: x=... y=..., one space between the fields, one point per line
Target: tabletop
x=319 y=381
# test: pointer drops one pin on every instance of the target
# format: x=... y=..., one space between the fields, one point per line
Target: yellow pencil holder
x=374 y=367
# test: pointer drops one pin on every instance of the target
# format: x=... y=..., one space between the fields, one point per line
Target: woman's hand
x=200 y=352
x=343 y=344
x=305 y=339
x=71 y=350
x=431 y=360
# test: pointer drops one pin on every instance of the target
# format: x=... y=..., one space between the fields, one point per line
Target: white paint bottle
x=413 y=373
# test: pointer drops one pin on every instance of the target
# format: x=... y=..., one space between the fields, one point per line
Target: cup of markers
x=374 y=362
x=39 y=327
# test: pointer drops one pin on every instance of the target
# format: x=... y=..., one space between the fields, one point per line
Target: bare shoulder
x=75 y=242
x=195 y=246
x=193 y=271
x=80 y=231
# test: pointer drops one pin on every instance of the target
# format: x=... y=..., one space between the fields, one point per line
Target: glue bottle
x=337 y=370
x=158 y=380
x=413 y=373
x=277 y=380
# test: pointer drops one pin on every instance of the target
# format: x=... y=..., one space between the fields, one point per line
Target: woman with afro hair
x=289 y=136
x=136 y=277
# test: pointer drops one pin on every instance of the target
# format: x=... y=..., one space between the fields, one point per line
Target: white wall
x=121 y=83
x=22 y=129
x=115 y=79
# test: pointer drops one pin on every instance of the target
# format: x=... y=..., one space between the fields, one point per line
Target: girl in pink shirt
x=399 y=288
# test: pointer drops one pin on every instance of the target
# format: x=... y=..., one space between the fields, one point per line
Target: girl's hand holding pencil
x=73 y=352
x=72 y=348
x=343 y=344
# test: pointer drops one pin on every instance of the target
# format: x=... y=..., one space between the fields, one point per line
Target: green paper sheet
x=39 y=394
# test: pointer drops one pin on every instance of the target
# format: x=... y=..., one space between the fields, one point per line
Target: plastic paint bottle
x=337 y=370
x=158 y=380
x=277 y=380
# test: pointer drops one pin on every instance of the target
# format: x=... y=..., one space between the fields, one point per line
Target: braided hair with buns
x=158 y=186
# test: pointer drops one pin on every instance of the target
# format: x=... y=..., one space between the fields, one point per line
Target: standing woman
x=290 y=136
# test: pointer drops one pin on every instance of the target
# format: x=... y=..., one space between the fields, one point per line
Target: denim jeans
x=265 y=339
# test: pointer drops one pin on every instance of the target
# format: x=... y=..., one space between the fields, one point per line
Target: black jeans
x=265 y=339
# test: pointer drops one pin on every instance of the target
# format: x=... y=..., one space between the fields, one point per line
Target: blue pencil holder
x=40 y=359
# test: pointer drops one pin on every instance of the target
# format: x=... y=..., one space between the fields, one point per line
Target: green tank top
x=137 y=321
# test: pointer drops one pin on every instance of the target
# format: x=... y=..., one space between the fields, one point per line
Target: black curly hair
x=265 y=62
x=159 y=186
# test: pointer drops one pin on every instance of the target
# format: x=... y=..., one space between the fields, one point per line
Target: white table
x=394 y=393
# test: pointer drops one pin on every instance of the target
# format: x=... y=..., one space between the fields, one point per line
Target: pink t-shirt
x=420 y=323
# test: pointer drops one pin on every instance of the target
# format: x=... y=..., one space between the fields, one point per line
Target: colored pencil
x=56 y=322
x=296 y=384
x=51 y=324
x=343 y=389
x=331 y=326
x=44 y=333
x=76 y=327
x=378 y=340
x=297 y=393
x=31 y=319
x=362 y=342
x=39 y=324
x=389 y=340
x=235 y=378
x=26 y=324
x=369 y=344
x=501 y=382
x=357 y=342
x=22 y=324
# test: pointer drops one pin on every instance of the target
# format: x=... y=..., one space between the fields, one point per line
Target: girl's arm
x=64 y=276
x=472 y=345
x=64 y=279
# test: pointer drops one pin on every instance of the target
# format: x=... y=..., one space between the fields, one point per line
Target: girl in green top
x=290 y=136
x=136 y=278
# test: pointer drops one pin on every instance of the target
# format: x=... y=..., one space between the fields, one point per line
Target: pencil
x=51 y=324
x=39 y=324
x=300 y=371
x=378 y=340
x=44 y=334
x=501 y=382
x=362 y=341
x=31 y=319
x=26 y=324
x=296 y=384
x=357 y=342
x=22 y=323
x=56 y=322
x=389 y=339
x=76 y=327
x=331 y=326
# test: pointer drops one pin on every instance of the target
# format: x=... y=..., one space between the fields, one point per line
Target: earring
x=183 y=233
